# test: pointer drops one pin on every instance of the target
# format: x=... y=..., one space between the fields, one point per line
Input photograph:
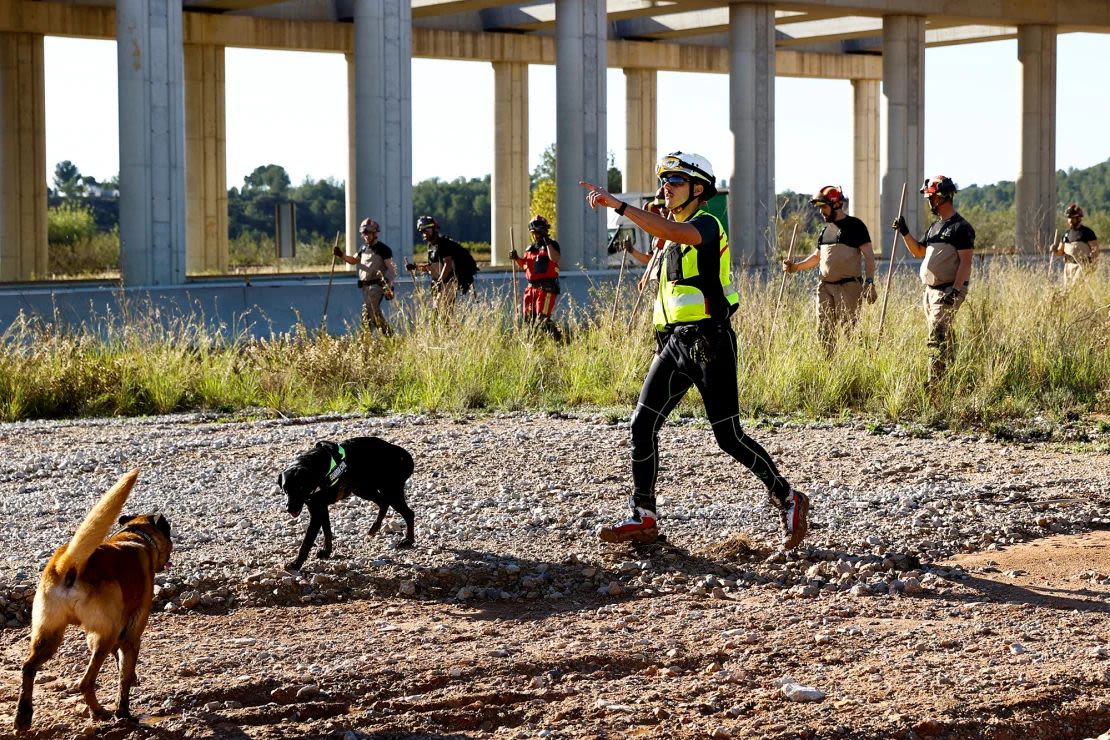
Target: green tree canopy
x=67 y=180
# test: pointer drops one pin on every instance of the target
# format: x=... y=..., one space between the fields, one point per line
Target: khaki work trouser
x=837 y=306
x=372 y=314
x=1076 y=268
x=940 y=323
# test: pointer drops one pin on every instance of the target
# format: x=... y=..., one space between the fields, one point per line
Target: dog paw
x=23 y=718
x=124 y=715
x=323 y=554
x=293 y=565
x=404 y=544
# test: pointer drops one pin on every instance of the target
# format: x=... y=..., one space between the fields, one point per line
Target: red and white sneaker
x=640 y=527
x=795 y=519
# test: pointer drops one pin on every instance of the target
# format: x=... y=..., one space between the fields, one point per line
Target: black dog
x=367 y=467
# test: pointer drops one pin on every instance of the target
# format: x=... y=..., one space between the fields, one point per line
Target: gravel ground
x=952 y=586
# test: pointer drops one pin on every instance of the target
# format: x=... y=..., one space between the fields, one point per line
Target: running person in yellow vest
x=1079 y=247
x=696 y=346
x=947 y=249
x=376 y=272
x=844 y=255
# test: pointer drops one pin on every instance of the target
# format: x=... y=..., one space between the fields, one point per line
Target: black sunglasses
x=673 y=179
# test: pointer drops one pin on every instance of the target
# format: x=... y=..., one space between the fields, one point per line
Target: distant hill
x=1088 y=187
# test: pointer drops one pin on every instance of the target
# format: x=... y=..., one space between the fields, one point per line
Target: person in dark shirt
x=844 y=255
x=376 y=274
x=947 y=249
x=450 y=264
x=696 y=346
x=1079 y=247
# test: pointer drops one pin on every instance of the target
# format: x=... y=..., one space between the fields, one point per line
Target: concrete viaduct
x=173 y=210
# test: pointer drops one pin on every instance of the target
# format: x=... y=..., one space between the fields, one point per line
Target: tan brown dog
x=103 y=587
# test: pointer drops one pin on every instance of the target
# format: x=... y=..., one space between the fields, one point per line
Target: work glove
x=869 y=293
x=899 y=225
x=337 y=251
x=410 y=266
x=626 y=245
x=513 y=255
x=788 y=266
x=950 y=296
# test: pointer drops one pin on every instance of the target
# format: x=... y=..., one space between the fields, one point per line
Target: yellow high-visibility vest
x=680 y=298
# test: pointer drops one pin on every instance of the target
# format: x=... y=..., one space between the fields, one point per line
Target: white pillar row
x=864 y=198
x=751 y=207
x=904 y=97
x=380 y=186
x=23 y=248
x=580 y=68
x=641 y=135
x=151 y=141
x=511 y=185
x=1035 y=193
x=205 y=159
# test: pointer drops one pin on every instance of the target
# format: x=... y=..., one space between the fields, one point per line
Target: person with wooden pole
x=946 y=251
x=1079 y=247
x=540 y=263
x=331 y=275
x=847 y=266
x=376 y=273
x=696 y=346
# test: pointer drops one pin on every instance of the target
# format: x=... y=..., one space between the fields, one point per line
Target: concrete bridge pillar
x=864 y=198
x=23 y=249
x=380 y=83
x=904 y=93
x=205 y=159
x=641 y=137
x=752 y=209
x=1036 y=182
x=511 y=184
x=151 y=141
x=580 y=67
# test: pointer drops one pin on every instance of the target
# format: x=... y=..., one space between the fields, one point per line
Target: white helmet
x=693 y=165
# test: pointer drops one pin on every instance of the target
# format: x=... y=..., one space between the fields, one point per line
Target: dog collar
x=145 y=535
x=338 y=466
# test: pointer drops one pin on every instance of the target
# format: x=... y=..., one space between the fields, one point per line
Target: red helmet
x=1073 y=211
x=829 y=195
x=539 y=224
x=939 y=185
x=369 y=225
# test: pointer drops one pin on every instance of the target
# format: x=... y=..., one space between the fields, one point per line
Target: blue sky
x=289 y=108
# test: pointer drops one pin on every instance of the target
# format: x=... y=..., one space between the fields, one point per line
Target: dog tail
x=95 y=528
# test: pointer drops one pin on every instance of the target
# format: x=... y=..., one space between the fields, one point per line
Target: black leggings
x=702 y=355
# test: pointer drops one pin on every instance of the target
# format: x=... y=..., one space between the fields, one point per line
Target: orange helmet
x=369 y=225
x=829 y=195
x=1073 y=211
x=939 y=185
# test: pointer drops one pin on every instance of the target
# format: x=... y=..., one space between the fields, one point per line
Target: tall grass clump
x=1024 y=347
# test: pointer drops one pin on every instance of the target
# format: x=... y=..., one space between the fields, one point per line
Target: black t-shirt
x=1082 y=234
x=849 y=231
x=955 y=231
x=551 y=244
x=709 y=265
x=378 y=248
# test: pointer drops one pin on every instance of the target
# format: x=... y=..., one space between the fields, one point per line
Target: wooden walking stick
x=617 y=290
x=890 y=267
x=512 y=263
x=1052 y=252
x=782 y=287
x=331 y=274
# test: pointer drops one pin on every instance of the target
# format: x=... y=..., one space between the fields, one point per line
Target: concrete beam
x=382 y=181
x=580 y=129
x=752 y=122
x=1092 y=15
x=830 y=29
x=151 y=142
x=205 y=160
x=23 y=246
x=641 y=136
x=904 y=97
x=510 y=183
x=267 y=33
x=1035 y=194
x=973 y=34
x=864 y=198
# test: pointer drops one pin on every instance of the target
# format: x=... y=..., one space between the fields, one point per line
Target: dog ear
x=281 y=481
x=163 y=524
x=125 y=519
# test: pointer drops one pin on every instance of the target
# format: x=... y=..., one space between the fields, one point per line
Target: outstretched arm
x=654 y=224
